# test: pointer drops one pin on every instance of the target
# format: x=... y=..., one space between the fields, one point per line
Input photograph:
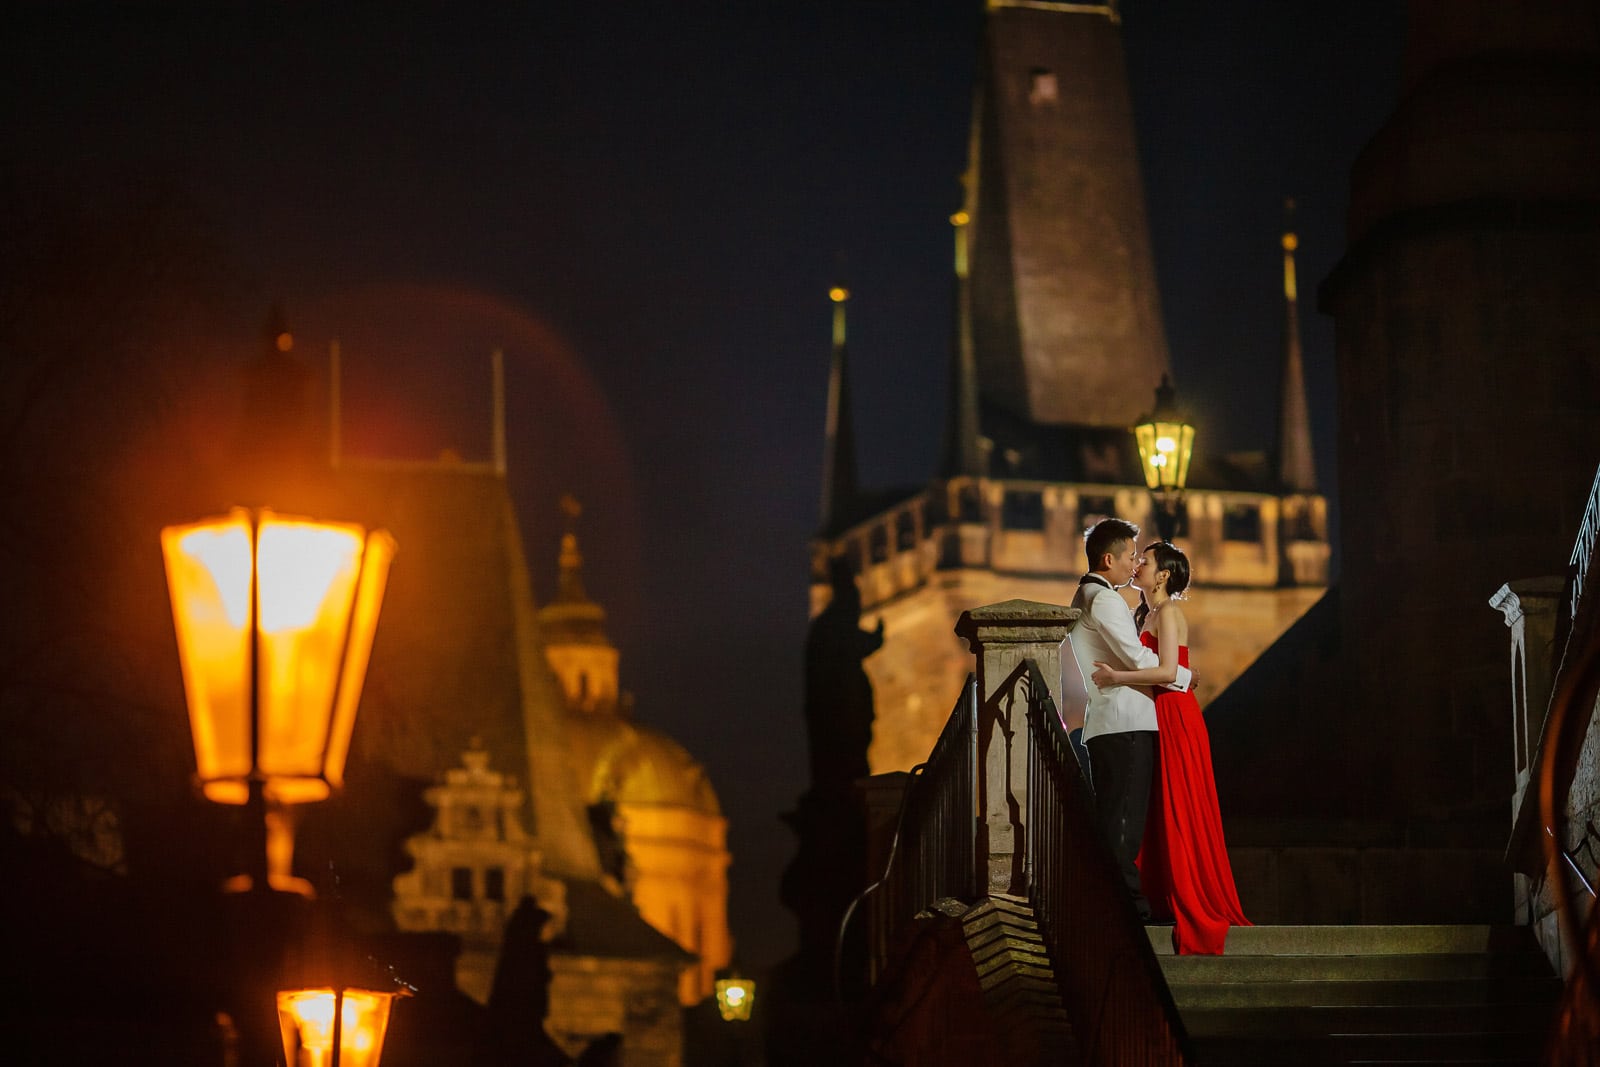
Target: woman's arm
x=1164 y=672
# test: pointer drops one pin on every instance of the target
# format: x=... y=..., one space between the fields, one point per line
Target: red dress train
x=1183 y=864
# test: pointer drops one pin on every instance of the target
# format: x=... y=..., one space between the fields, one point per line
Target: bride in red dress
x=1184 y=863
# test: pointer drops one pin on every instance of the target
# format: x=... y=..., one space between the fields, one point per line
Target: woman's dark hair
x=1170 y=558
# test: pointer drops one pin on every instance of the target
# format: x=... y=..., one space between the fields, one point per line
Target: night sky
x=644 y=204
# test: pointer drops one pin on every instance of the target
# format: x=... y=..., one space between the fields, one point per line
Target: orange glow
x=838 y=295
x=284 y=341
x=316 y=589
x=305 y=1017
x=960 y=218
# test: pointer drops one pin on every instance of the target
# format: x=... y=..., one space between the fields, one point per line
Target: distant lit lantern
x=735 y=997
x=275 y=618
x=333 y=1027
x=1166 y=444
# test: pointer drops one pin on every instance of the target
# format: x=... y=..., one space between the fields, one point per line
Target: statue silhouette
x=519 y=1000
x=838 y=697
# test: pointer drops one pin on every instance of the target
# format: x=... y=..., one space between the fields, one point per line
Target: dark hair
x=1104 y=537
x=1170 y=558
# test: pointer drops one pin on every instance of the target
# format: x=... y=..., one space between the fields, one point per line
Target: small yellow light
x=735 y=998
x=1290 y=242
x=838 y=295
x=960 y=218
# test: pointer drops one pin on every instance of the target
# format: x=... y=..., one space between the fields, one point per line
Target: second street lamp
x=1166 y=444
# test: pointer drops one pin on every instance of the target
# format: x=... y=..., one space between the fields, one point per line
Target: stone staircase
x=1305 y=995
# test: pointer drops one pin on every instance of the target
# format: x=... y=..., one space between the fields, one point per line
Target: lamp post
x=275 y=617
x=1166 y=443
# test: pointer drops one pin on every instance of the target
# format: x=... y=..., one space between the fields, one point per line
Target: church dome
x=626 y=763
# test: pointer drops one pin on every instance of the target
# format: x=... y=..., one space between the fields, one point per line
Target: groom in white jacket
x=1119 y=723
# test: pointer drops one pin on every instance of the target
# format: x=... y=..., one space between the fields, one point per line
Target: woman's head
x=1163 y=558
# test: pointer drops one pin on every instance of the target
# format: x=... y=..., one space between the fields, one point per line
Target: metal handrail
x=1110 y=980
x=938 y=812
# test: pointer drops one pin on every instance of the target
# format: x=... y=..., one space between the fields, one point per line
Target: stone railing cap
x=1507 y=599
x=1018 y=614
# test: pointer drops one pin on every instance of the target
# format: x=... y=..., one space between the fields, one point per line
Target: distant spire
x=839 y=481
x=569 y=589
x=1297 y=471
x=279 y=423
x=335 y=404
x=961 y=433
x=497 y=423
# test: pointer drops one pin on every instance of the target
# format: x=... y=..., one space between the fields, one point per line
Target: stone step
x=1489 y=992
x=1348 y=940
x=1363 y=967
x=1500 y=1050
x=1302 y=1023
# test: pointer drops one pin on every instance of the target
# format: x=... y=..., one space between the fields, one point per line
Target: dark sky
x=644 y=204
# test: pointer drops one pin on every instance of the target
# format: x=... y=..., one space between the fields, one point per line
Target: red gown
x=1183 y=864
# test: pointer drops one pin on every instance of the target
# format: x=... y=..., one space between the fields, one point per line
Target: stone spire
x=574 y=629
x=840 y=482
x=962 y=455
x=280 y=427
x=1065 y=319
x=1297 y=470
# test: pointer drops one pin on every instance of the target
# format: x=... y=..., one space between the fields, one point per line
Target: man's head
x=1112 y=548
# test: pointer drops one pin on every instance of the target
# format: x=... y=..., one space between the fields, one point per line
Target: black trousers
x=1121 y=766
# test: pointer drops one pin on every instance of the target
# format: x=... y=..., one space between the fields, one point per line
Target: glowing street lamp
x=334 y=1027
x=1166 y=444
x=275 y=618
x=735 y=997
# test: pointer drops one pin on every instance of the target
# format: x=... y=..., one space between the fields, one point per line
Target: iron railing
x=1576 y=1040
x=1110 y=981
x=1583 y=550
x=933 y=854
x=1111 y=985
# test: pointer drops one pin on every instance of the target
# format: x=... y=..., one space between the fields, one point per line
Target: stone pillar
x=1529 y=607
x=1004 y=637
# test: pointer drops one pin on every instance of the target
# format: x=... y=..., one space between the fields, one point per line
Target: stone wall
x=917 y=675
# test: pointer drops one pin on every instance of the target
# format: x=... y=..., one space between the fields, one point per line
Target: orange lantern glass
x=333 y=1027
x=275 y=618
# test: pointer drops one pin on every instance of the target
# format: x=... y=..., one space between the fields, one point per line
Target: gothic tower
x=1066 y=324
x=1058 y=344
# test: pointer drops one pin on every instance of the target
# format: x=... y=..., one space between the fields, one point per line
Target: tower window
x=879 y=544
x=1241 y=522
x=1042 y=87
x=494 y=883
x=1091 y=509
x=461 y=883
x=905 y=531
x=1023 y=510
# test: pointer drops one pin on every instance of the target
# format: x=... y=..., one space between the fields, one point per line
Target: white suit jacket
x=1105 y=633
